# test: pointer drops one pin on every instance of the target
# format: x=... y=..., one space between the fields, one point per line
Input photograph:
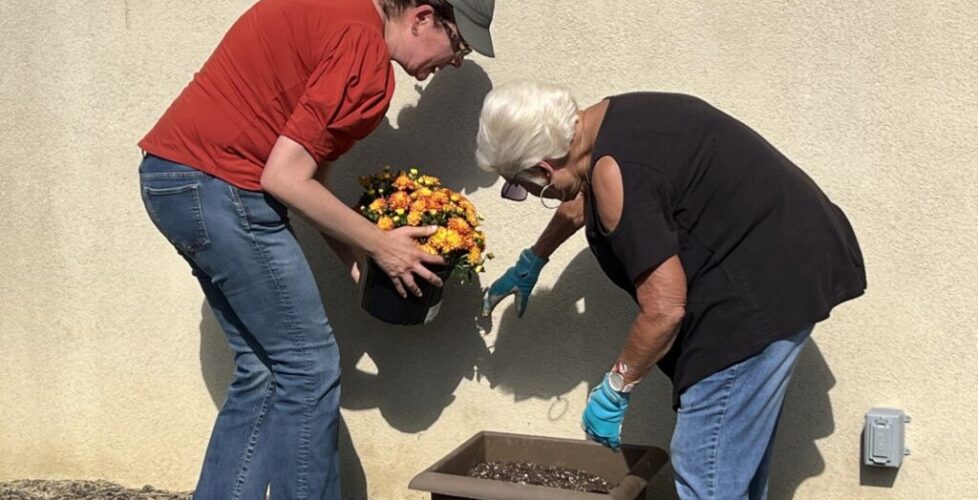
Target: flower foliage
x=395 y=199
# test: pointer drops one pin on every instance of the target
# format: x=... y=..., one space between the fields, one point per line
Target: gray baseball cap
x=473 y=18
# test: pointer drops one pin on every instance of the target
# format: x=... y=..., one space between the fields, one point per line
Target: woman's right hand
x=399 y=255
x=518 y=280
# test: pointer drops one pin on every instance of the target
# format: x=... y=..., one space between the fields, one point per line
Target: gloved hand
x=519 y=280
x=604 y=413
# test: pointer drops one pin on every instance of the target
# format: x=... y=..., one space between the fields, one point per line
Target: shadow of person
x=217 y=369
x=409 y=373
x=216 y=358
x=571 y=334
x=806 y=418
x=436 y=135
x=574 y=332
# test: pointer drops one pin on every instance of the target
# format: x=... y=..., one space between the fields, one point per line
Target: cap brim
x=476 y=36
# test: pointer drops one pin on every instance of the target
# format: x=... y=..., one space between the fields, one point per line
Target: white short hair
x=522 y=123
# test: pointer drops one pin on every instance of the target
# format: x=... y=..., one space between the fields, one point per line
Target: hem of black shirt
x=755 y=348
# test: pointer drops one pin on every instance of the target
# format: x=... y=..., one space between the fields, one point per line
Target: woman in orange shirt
x=291 y=87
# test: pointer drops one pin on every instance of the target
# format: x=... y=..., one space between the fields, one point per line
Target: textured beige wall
x=112 y=367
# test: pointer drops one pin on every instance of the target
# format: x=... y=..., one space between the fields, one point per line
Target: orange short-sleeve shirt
x=317 y=72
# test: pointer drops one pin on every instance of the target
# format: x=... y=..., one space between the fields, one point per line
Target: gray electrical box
x=883 y=440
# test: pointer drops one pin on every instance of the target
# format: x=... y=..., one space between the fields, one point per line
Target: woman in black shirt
x=730 y=250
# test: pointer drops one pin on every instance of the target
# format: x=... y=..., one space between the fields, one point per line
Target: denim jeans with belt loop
x=725 y=426
x=279 y=424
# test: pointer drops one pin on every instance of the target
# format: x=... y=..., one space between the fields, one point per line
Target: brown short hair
x=443 y=10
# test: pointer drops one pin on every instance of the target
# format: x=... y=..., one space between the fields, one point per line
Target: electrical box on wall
x=883 y=439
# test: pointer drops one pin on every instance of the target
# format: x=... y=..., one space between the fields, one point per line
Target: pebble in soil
x=543 y=475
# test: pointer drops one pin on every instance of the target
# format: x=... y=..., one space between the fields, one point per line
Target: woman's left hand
x=399 y=255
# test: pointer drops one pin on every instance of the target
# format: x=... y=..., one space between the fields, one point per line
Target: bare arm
x=662 y=304
x=660 y=292
x=290 y=176
x=347 y=255
x=568 y=218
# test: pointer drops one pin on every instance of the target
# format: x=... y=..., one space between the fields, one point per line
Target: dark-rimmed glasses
x=513 y=190
x=459 y=46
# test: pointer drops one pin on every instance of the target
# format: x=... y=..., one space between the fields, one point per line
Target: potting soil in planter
x=544 y=475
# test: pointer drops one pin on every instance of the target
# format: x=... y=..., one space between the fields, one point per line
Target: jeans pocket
x=177 y=213
x=259 y=211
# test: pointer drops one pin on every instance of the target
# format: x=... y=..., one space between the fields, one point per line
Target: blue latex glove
x=604 y=413
x=519 y=280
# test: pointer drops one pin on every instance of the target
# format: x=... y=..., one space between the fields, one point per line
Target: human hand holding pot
x=399 y=255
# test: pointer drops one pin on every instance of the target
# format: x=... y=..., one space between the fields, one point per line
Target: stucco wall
x=112 y=366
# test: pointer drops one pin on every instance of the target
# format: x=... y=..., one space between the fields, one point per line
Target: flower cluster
x=395 y=199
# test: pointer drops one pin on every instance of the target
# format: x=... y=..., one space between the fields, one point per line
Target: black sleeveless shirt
x=764 y=250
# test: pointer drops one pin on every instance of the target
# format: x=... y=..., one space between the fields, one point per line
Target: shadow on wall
x=569 y=335
x=879 y=477
x=807 y=418
x=437 y=135
x=217 y=368
x=574 y=332
x=409 y=374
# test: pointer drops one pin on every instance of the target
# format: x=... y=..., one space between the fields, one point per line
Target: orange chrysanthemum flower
x=378 y=205
x=459 y=225
x=403 y=183
x=475 y=256
x=399 y=198
x=414 y=218
x=385 y=223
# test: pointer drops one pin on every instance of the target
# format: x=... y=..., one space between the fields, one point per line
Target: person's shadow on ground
x=408 y=373
x=573 y=333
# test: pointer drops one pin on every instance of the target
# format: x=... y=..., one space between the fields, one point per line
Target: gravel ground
x=32 y=489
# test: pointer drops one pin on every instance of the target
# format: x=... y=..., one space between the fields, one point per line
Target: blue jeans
x=721 y=447
x=279 y=423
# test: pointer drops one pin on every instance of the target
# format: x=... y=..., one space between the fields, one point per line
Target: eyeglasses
x=513 y=192
x=459 y=46
x=512 y=188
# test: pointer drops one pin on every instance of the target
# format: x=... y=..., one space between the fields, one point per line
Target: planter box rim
x=632 y=484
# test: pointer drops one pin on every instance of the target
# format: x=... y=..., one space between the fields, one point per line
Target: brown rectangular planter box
x=631 y=468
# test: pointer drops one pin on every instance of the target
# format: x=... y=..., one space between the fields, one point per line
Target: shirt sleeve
x=646 y=235
x=346 y=96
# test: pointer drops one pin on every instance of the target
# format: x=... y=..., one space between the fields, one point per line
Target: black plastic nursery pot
x=380 y=299
x=630 y=469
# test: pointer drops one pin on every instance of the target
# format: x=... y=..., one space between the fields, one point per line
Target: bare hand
x=573 y=210
x=400 y=257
